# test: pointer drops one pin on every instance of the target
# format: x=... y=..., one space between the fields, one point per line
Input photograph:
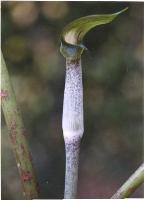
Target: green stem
x=131 y=184
x=17 y=136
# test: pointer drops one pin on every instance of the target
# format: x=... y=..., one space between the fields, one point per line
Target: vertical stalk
x=128 y=188
x=72 y=124
x=71 y=176
x=17 y=136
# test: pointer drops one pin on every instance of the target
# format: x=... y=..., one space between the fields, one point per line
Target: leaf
x=74 y=32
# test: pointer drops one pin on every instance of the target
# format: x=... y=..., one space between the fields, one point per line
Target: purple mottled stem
x=71 y=174
x=131 y=184
x=72 y=124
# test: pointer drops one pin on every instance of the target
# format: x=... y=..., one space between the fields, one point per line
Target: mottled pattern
x=17 y=135
x=73 y=100
x=71 y=173
x=72 y=124
x=26 y=176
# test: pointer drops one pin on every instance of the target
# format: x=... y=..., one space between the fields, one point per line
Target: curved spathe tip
x=73 y=34
x=75 y=31
x=117 y=13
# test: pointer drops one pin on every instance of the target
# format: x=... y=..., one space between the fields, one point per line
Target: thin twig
x=131 y=184
x=17 y=136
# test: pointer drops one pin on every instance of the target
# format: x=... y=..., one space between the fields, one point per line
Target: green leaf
x=74 y=32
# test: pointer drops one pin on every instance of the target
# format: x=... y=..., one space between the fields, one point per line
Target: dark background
x=111 y=148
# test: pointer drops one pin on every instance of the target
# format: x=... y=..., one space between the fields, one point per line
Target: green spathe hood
x=73 y=34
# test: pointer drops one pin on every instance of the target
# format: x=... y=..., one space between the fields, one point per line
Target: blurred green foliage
x=111 y=148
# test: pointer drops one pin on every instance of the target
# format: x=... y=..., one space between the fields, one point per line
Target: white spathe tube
x=72 y=122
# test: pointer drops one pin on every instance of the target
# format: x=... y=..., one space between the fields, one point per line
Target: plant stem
x=72 y=124
x=131 y=184
x=71 y=176
x=17 y=136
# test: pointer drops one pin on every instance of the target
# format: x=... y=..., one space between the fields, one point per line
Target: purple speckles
x=73 y=97
x=72 y=156
x=73 y=63
x=72 y=144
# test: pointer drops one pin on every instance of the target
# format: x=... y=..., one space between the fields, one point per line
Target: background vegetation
x=111 y=148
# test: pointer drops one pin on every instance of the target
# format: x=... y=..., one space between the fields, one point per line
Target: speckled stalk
x=131 y=184
x=72 y=124
x=71 y=173
x=17 y=136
